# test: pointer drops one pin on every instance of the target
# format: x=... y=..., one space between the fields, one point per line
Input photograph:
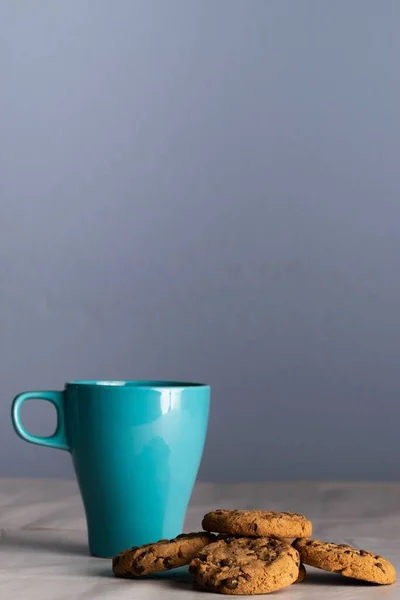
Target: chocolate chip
x=254 y=527
x=226 y=562
x=201 y=556
x=364 y=553
x=139 y=570
x=167 y=563
x=380 y=566
x=180 y=554
x=230 y=583
x=246 y=576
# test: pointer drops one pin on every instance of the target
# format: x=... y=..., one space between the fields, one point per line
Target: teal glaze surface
x=136 y=449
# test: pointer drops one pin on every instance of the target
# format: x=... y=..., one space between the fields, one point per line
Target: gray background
x=207 y=190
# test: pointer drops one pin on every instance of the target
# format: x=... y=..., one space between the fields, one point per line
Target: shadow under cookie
x=316 y=576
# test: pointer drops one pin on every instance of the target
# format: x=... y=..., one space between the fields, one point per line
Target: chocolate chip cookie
x=302 y=573
x=258 y=523
x=246 y=565
x=347 y=561
x=160 y=556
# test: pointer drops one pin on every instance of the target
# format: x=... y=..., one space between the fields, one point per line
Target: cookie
x=246 y=566
x=347 y=561
x=258 y=523
x=160 y=556
x=283 y=539
x=302 y=573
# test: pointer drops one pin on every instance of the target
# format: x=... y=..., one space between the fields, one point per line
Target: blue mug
x=136 y=447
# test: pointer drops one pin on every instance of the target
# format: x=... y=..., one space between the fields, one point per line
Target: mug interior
x=134 y=383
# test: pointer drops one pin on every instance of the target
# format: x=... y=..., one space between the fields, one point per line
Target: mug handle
x=59 y=438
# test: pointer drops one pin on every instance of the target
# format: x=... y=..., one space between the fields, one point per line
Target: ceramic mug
x=136 y=447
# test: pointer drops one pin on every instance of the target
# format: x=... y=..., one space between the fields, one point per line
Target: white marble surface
x=43 y=552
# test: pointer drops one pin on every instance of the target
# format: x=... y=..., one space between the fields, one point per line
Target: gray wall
x=207 y=190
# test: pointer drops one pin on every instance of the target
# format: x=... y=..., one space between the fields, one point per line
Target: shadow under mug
x=136 y=447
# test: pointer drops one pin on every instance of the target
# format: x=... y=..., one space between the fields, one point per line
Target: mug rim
x=130 y=384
